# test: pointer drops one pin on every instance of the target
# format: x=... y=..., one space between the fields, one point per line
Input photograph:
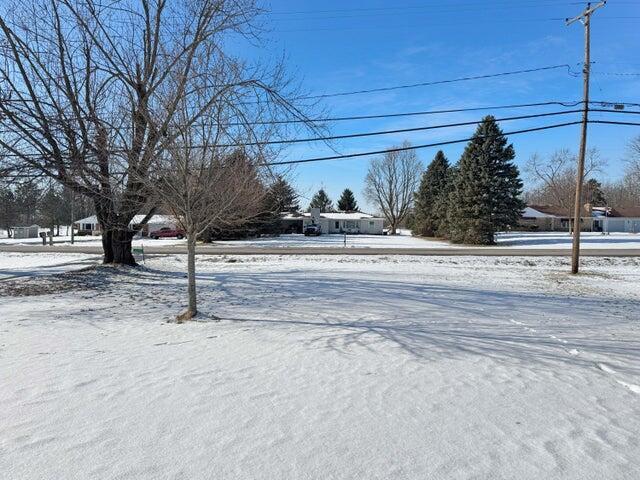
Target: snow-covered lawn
x=519 y=240
x=95 y=241
x=334 y=240
x=524 y=240
x=16 y=265
x=323 y=368
x=564 y=240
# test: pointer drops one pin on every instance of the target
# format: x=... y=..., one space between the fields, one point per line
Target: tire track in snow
x=573 y=351
x=607 y=369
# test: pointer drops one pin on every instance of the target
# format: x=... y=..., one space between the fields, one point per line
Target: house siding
x=369 y=226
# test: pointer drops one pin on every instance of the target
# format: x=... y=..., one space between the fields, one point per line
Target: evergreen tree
x=50 y=211
x=433 y=191
x=347 y=202
x=322 y=201
x=486 y=195
x=593 y=193
x=281 y=197
x=8 y=209
x=444 y=200
x=28 y=197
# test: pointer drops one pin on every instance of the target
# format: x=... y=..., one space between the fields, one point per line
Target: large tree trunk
x=116 y=235
x=121 y=246
x=107 y=250
x=116 y=245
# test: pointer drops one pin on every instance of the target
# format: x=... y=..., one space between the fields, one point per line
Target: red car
x=166 y=232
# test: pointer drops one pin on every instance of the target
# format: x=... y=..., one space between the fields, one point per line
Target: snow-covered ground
x=520 y=240
x=16 y=265
x=322 y=367
x=88 y=240
x=564 y=240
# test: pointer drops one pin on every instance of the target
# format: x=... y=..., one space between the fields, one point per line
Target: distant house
x=91 y=226
x=549 y=218
x=26 y=232
x=333 y=222
x=617 y=219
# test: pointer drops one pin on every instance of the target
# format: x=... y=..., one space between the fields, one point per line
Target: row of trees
x=553 y=179
x=48 y=206
x=472 y=200
x=346 y=203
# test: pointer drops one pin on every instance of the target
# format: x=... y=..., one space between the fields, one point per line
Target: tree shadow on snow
x=424 y=320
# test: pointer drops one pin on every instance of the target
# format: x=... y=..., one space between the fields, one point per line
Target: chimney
x=588 y=208
x=315 y=215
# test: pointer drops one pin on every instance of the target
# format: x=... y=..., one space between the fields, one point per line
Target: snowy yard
x=518 y=240
x=522 y=240
x=321 y=368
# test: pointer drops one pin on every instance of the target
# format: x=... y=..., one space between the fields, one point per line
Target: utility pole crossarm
x=589 y=10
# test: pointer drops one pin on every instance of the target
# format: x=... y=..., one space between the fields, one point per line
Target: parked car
x=166 y=232
x=312 y=230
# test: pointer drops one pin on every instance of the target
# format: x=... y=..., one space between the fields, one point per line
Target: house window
x=337 y=224
x=351 y=224
x=372 y=223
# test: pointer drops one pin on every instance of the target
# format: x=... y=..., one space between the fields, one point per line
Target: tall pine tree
x=431 y=197
x=486 y=195
x=281 y=197
x=322 y=201
x=593 y=193
x=347 y=202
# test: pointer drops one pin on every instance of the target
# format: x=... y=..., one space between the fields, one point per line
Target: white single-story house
x=333 y=222
x=548 y=218
x=90 y=225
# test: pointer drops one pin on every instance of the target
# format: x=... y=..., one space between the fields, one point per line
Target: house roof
x=547 y=211
x=155 y=219
x=537 y=211
x=627 y=212
x=91 y=219
x=330 y=215
x=530 y=212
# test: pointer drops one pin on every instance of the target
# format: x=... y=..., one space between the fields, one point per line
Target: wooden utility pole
x=585 y=19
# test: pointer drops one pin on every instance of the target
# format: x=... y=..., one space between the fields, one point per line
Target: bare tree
x=205 y=188
x=205 y=181
x=632 y=171
x=553 y=177
x=391 y=181
x=91 y=91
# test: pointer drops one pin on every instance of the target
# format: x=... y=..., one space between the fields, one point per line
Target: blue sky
x=337 y=46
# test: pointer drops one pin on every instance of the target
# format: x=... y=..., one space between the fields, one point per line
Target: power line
x=611 y=122
x=413 y=147
x=400 y=130
x=567 y=104
x=630 y=74
x=395 y=149
x=383 y=132
x=439 y=144
x=441 y=82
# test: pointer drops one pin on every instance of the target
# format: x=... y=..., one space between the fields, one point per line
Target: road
x=453 y=251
